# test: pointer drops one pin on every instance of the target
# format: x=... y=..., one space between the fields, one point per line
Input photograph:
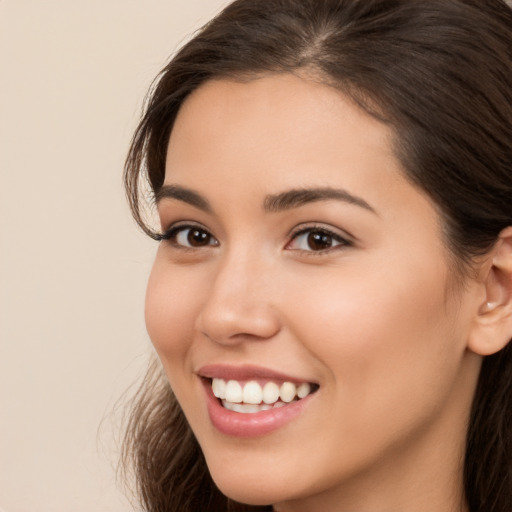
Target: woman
x=331 y=300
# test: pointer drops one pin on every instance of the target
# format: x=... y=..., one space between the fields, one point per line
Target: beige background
x=73 y=74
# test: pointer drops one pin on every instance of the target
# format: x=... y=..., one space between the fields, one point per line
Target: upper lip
x=245 y=372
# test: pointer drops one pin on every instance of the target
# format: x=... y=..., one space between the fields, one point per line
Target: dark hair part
x=439 y=72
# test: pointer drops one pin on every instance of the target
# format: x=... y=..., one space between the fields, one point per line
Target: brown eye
x=317 y=240
x=189 y=237
x=197 y=237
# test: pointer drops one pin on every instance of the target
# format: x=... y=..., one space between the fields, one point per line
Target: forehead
x=275 y=123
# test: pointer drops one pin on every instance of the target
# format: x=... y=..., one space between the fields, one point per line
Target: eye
x=316 y=239
x=189 y=236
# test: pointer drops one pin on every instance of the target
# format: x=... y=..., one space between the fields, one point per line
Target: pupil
x=319 y=241
x=197 y=238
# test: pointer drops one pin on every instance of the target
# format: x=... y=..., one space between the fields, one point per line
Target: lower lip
x=255 y=424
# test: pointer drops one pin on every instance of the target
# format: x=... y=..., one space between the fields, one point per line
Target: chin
x=251 y=489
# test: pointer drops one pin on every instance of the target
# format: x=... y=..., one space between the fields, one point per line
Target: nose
x=238 y=304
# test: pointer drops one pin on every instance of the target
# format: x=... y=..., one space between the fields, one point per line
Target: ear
x=493 y=323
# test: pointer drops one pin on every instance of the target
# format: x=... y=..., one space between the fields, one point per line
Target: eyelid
x=176 y=227
x=344 y=239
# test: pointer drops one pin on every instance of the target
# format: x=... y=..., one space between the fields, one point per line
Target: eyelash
x=315 y=229
x=171 y=234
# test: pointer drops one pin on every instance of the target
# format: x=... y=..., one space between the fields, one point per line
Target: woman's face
x=298 y=256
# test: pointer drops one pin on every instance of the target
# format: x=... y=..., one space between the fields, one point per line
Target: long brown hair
x=439 y=72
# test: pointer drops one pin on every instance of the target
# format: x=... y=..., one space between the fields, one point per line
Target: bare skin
x=352 y=290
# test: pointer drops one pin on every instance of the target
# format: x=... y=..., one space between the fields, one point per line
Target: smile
x=252 y=401
x=253 y=397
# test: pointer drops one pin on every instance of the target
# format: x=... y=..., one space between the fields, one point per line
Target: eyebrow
x=183 y=194
x=273 y=203
x=299 y=197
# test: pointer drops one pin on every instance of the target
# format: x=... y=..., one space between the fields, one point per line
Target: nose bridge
x=239 y=301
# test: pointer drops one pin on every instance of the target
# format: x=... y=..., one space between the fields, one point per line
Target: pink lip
x=245 y=372
x=236 y=424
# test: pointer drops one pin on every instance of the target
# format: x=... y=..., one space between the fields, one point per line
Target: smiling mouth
x=255 y=396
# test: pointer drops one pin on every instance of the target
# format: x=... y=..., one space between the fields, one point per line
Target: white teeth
x=303 y=390
x=229 y=405
x=251 y=408
x=233 y=391
x=219 y=388
x=287 y=391
x=270 y=392
x=252 y=393
x=252 y=398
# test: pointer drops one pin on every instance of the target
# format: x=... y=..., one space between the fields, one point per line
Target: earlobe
x=492 y=330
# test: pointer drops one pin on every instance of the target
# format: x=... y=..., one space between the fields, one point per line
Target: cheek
x=170 y=310
x=386 y=339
